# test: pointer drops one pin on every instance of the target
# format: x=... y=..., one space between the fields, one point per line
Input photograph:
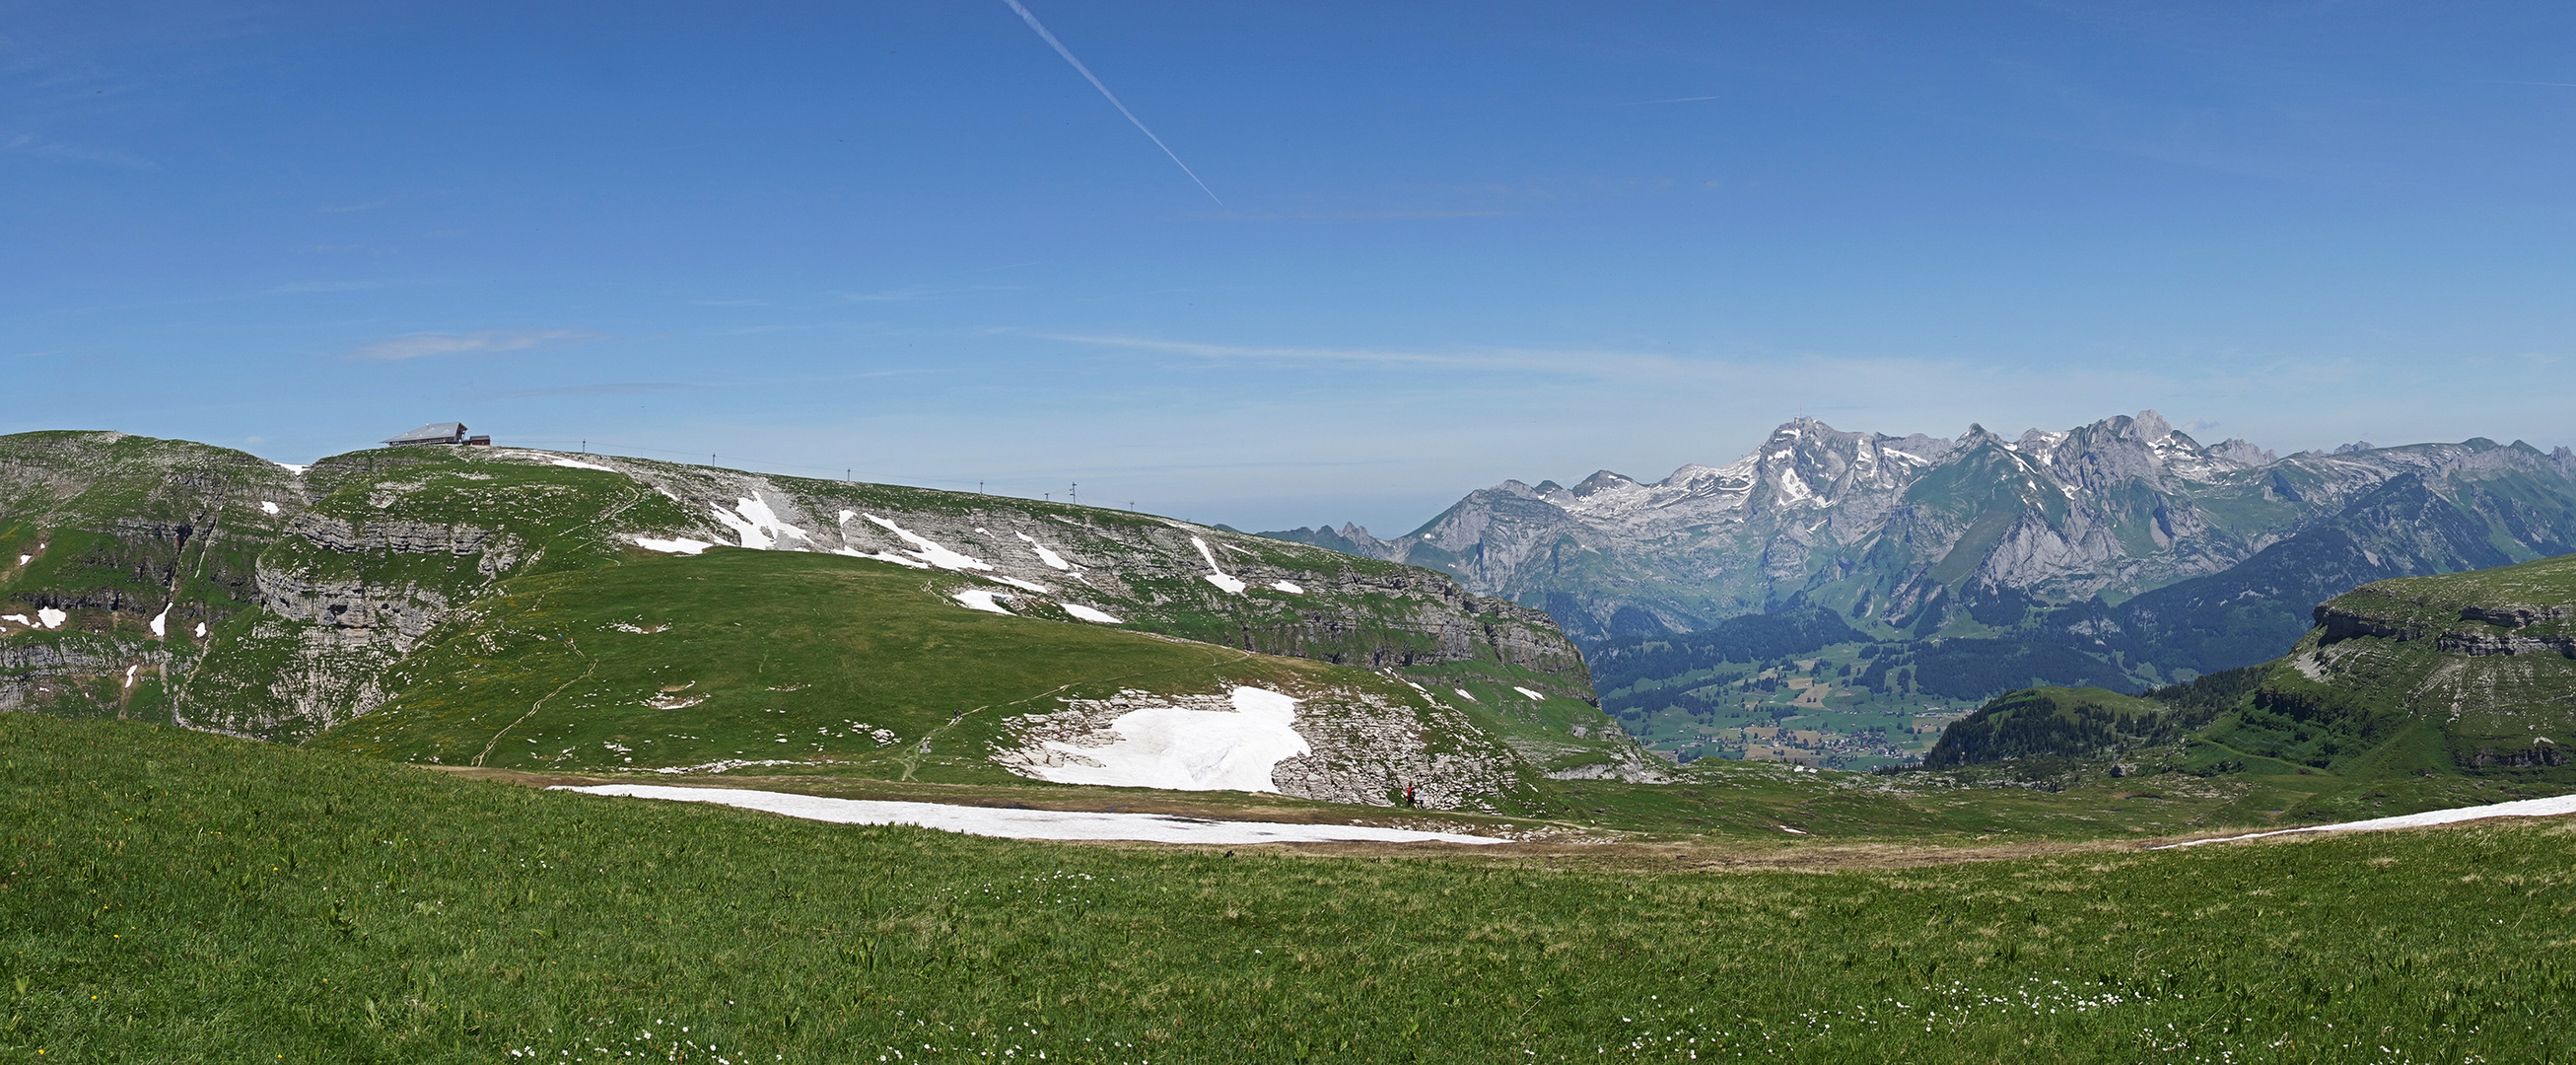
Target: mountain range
x=2125 y=543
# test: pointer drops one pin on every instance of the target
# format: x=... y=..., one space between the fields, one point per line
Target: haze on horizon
x=1437 y=246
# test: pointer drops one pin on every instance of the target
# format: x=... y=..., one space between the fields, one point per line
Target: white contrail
x=1061 y=50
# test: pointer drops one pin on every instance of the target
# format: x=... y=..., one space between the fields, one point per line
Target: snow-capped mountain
x=1904 y=529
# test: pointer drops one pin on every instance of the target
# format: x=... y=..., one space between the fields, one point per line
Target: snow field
x=51 y=618
x=980 y=599
x=201 y=630
x=1015 y=582
x=1216 y=575
x=1526 y=693
x=882 y=556
x=681 y=546
x=161 y=621
x=757 y=525
x=1290 y=587
x=927 y=551
x=1052 y=559
x=129 y=675
x=2550 y=807
x=1084 y=613
x=1186 y=750
x=576 y=464
x=1027 y=824
x=266 y=507
x=1464 y=694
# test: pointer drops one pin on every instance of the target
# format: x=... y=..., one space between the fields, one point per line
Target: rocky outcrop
x=2375 y=611
x=403 y=537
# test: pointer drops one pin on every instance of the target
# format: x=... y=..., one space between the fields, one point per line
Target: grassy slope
x=107 y=507
x=2400 y=708
x=173 y=896
x=839 y=665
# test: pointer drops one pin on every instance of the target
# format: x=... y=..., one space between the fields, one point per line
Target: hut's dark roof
x=434 y=432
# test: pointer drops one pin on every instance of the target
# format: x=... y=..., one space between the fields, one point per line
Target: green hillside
x=172 y=896
x=816 y=664
x=580 y=612
x=2461 y=674
x=2051 y=721
x=2409 y=694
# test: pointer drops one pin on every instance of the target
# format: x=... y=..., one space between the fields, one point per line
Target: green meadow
x=173 y=896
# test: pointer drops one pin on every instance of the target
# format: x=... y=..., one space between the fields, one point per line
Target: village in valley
x=1806 y=711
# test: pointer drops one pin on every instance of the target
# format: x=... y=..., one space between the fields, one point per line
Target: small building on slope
x=449 y=433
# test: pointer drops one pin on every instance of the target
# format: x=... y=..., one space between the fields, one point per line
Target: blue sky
x=1440 y=244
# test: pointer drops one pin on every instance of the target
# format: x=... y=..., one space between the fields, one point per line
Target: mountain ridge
x=179 y=582
x=1882 y=526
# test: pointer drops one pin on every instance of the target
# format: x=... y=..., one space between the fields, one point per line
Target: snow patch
x=161 y=621
x=20 y=619
x=129 y=675
x=577 y=464
x=757 y=525
x=22 y=559
x=979 y=599
x=293 y=468
x=51 y=618
x=1218 y=575
x=1018 y=583
x=266 y=507
x=1026 y=824
x=1049 y=557
x=927 y=551
x=1462 y=693
x=1527 y=692
x=1289 y=587
x=1185 y=750
x=882 y=556
x=1084 y=613
x=2549 y=807
x=201 y=630
x=681 y=546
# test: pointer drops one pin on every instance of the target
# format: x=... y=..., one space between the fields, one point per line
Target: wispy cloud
x=1583 y=363
x=909 y=293
x=891 y=295
x=301 y=287
x=635 y=388
x=33 y=145
x=486 y=342
x=1355 y=215
x=1674 y=100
